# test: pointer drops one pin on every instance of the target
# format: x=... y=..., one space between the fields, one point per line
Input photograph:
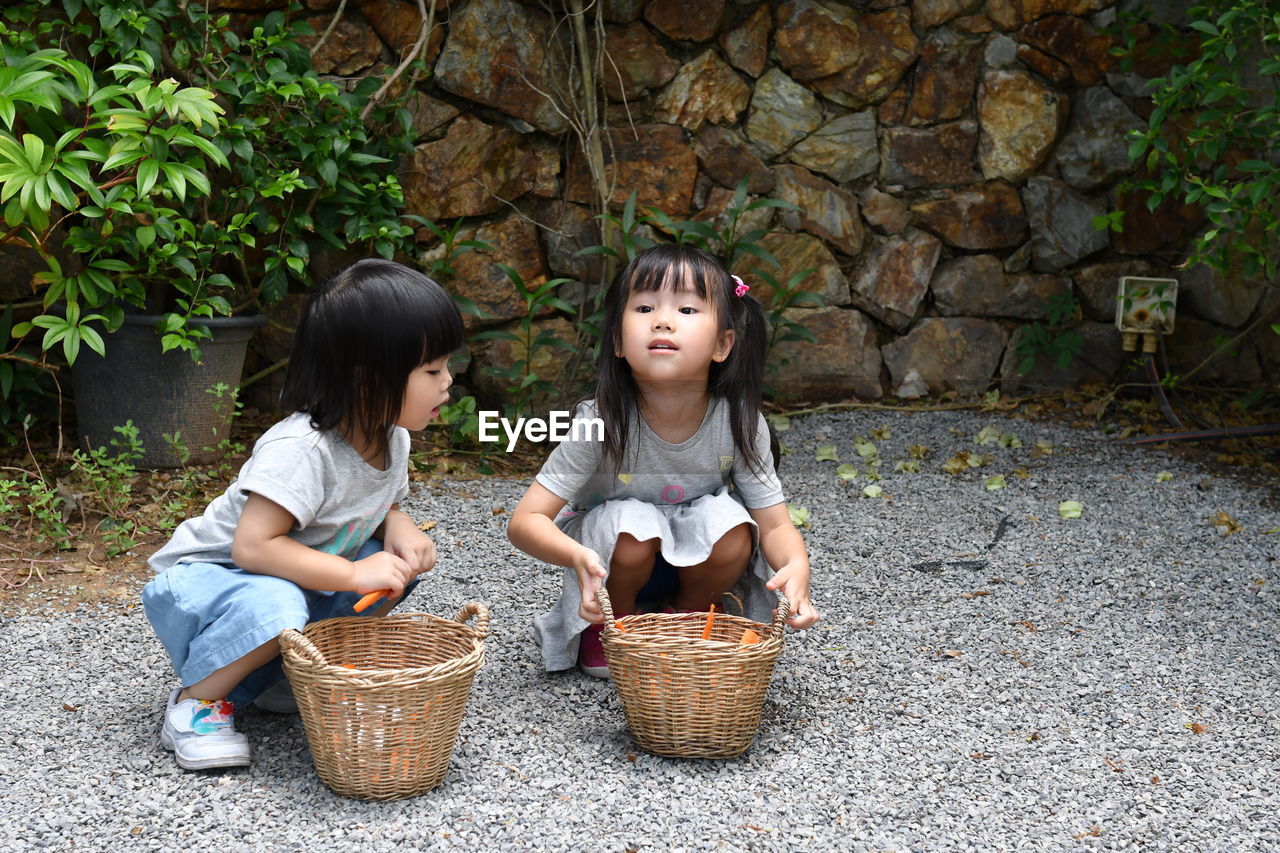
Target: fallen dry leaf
x=499 y=510
x=975 y=593
x=67 y=706
x=1155 y=780
x=1226 y=524
x=427 y=525
x=952 y=653
x=1197 y=728
x=1031 y=629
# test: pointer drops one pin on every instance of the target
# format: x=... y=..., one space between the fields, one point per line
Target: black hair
x=738 y=380
x=363 y=332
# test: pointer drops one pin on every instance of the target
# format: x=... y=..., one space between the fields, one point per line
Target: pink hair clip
x=741 y=288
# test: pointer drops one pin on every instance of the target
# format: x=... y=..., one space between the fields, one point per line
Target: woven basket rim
x=425 y=622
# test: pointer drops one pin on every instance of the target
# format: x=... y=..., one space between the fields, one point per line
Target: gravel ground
x=988 y=675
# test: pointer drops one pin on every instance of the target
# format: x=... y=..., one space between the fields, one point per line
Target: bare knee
x=630 y=552
x=734 y=548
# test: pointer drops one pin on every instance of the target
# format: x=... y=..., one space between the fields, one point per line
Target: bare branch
x=328 y=31
x=428 y=24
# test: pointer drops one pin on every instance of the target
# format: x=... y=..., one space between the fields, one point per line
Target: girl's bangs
x=686 y=274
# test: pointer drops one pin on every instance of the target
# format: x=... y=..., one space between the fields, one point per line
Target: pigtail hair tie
x=741 y=289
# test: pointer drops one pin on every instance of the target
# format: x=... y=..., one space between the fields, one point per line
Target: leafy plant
x=1213 y=127
x=439 y=262
x=42 y=506
x=1055 y=339
x=133 y=137
x=194 y=169
x=523 y=383
x=107 y=478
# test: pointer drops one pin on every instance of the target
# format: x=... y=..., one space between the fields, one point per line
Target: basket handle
x=602 y=596
x=481 y=613
x=780 y=618
x=292 y=639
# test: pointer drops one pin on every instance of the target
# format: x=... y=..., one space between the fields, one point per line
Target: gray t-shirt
x=659 y=472
x=337 y=499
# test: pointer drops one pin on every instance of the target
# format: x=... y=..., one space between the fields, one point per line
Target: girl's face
x=426 y=391
x=672 y=334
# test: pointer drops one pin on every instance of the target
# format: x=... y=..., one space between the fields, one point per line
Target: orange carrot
x=749 y=638
x=618 y=624
x=363 y=604
x=711 y=618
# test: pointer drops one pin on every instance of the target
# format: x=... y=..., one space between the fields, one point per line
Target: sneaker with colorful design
x=591 y=659
x=202 y=734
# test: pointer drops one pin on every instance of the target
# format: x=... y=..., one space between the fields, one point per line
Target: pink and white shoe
x=591 y=659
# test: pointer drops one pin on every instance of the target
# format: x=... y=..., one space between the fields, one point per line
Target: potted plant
x=175 y=177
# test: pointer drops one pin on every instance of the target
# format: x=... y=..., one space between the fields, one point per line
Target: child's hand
x=383 y=570
x=402 y=537
x=590 y=572
x=793 y=580
x=416 y=548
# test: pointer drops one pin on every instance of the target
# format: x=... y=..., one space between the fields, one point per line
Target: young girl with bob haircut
x=312 y=522
x=684 y=479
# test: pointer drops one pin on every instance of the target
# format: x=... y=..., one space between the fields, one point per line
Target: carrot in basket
x=749 y=638
x=711 y=618
x=363 y=604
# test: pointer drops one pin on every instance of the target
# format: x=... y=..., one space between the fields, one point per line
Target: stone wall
x=946 y=157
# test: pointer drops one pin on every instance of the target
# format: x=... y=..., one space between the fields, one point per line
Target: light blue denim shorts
x=208 y=615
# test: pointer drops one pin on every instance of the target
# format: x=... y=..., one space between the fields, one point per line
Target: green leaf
x=1070 y=509
x=872 y=491
x=799 y=515
x=497 y=335
x=148 y=173
x=826 y=453
x=846 y=471
x=328 y=172
x=994 y=483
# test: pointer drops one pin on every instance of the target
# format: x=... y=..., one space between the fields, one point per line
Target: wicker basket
x=685 y=696
x=382 y=699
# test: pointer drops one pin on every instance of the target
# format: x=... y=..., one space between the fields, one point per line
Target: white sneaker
x=278 y=698
x=202 y=734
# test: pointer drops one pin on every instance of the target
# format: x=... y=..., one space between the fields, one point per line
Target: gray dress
x=688 y=495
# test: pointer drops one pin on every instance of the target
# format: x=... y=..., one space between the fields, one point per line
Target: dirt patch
x=64 y=580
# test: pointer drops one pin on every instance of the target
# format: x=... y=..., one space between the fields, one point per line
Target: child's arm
x=784 y=550
x=533 y=530
x=402 y=537
x=262 y=545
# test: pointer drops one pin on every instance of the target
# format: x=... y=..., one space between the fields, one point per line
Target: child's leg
x=703 y=584
x=629 y=569
x=220 y=683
